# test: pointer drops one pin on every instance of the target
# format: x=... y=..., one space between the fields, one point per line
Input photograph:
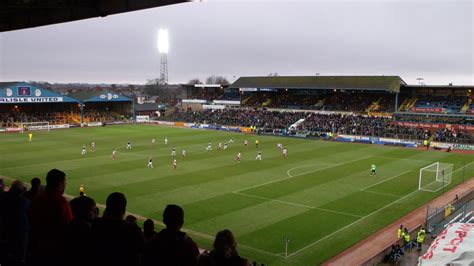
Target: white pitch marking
x=380 y=182
x=296 y=204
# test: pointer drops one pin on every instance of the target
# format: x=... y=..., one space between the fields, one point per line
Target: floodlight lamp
x=163 y=44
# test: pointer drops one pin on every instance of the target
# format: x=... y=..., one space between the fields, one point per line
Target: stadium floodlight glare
x=163 y=44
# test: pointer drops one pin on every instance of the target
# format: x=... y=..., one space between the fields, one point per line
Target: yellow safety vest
x=421 y=236
x=399 y=233
x=406 y=237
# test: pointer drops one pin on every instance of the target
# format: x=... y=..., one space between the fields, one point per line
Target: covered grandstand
x=22 y=102
x=331 y=93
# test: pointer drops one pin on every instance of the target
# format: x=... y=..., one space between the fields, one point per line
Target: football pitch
x=321 y=197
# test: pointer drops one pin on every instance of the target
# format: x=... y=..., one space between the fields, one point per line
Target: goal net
x=32 y=126
x=435 y=176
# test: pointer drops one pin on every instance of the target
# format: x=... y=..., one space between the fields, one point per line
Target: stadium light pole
x=163 y=48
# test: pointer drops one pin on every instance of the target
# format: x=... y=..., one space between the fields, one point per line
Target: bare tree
x=217 y=80
x=153 y=87
x=195 y=81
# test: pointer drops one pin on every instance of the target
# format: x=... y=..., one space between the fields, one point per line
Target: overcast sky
x=412 y=39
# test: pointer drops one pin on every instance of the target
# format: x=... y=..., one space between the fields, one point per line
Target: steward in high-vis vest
x=400 y=232
x=406 y=240
x=420 y=238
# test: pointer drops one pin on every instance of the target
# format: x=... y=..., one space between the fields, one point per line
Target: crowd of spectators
x=271 y=121
x=235 y=117
x=13 y=119
x=40 y=227
x=333 y=101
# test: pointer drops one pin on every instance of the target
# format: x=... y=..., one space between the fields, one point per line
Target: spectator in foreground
x=224 y=253
x=79 y=232
x=171 y=246
x=34 y=190
x=50 y=215
x=115 y=241
x=149 y=230
x=15 y=211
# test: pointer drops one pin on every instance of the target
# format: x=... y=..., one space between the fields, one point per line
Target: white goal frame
x=34 y=126
x=443 y=180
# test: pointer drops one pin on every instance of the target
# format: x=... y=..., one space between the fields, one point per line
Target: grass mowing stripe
x=296 y=204
x=285 y=178
x=385 y=180
x=381 y=193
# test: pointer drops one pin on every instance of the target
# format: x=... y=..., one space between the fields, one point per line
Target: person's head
x=131 y=219
x=17 y=187
x=115 y=205
x=148 y=225
x=225 y=243
x=56 y=180
x=83 y=208
x=173 y=217
x=35 y=183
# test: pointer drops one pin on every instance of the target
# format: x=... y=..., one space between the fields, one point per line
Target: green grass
x=321 y=196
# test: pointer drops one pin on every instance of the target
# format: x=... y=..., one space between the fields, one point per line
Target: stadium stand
x=317 y=124
x=22 y=102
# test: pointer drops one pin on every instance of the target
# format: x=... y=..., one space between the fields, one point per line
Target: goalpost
x=31 y=126
x=435 y=176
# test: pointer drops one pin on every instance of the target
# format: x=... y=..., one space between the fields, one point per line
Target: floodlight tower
x=163 y=47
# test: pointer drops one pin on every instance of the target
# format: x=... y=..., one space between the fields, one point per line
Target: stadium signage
x=463 y=147
x=451 y=245
x=194 y=101
x=428 y=110
x=94 y=124
x=435 y=126
x=48 y=127
x=31 y=99
x=13 y=129
x=215 y=106
x=143 y=118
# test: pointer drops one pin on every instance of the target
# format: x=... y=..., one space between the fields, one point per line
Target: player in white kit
x=166 y=141
x=93 y=146
x=238 y=157
x=225 y=146
x=83 y=152
x=129 y=145
x=174 y=165
x=173 y=152
x=114 y=154
x=209 y=147
x=259 y=156
x=152 y=142
x=183 y=154
x=284 y=152
x=280 y=146
x=150 y=163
